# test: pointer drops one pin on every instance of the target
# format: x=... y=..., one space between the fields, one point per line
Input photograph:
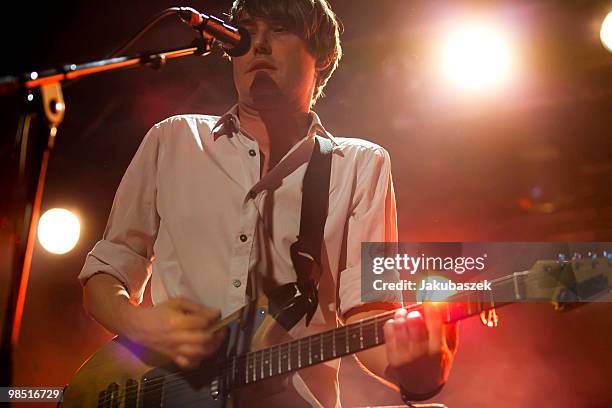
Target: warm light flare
x=605 y=34
x=415 y=314
x=436 y=296
x=58 y=230
x=475 y=56
x=489 y=318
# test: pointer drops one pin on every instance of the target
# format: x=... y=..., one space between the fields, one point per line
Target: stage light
x=58 y=230
x=415 y=314
x=475 y=56
x=605 y=34
x=423 y=295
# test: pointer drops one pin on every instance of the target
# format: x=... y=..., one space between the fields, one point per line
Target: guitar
x=123 y=374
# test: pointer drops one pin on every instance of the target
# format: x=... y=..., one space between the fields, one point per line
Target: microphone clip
x=235 y=41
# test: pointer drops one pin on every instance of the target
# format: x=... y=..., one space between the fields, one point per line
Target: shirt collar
x=316 y=128
x=228 y=124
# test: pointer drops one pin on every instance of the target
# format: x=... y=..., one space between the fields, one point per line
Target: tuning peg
x=593 y=256
x=576 y=256
x=489 y=318
x=561 y=259
x=608 y=255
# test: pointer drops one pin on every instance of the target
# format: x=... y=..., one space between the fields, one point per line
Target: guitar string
x=185 y=387
x=173 y=386
x=168 y=380
x=182 y=387
x=173 y=389
x=482 y=300
x=499 y=281
x=369 y=322
x=258 y=358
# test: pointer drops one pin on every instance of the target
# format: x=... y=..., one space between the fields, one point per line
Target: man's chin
x=265 y=92
x=269 y=102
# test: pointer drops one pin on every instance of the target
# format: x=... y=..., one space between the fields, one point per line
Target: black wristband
x=409 y=397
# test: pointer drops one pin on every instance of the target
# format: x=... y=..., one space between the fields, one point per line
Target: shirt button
x=252 y=194
x=243 y=238
x=252 y=153
x=236 y=283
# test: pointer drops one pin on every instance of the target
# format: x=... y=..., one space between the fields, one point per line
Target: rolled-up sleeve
x=126 y=249
x=373 y=219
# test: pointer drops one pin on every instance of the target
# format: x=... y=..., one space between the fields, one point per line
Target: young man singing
x=209 y=207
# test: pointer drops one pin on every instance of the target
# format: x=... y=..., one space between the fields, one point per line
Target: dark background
x=532 y=162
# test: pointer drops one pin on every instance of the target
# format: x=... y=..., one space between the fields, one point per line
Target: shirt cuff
x=352 y=296
x=119 y=261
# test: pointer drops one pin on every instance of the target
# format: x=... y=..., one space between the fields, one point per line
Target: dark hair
x=312 y=20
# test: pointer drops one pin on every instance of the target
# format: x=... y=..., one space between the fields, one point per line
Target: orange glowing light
x=605 y=34
x=489 y=318
x=476 y=56
x=58 y=230
x=414 y=314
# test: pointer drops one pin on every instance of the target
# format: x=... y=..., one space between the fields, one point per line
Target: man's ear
x=321 y=64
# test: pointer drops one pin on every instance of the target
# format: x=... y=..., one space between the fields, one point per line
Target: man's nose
x=260 y=42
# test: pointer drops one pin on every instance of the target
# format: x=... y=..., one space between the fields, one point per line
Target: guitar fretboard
x=364 y=334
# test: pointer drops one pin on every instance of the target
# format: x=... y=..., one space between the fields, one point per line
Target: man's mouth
x=257 y=65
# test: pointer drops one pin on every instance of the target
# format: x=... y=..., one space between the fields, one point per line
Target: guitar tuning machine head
x=561 y=259
x=489 y=318
x=576 y=256
x=593 y=256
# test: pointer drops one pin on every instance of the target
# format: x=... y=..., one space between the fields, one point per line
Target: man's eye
x=280 y=29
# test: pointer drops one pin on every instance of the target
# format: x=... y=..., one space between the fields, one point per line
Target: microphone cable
x=171 y=11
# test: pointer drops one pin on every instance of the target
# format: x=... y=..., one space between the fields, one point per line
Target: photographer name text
x=432 y=285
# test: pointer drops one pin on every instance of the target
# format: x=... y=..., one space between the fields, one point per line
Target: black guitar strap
x=306 y=251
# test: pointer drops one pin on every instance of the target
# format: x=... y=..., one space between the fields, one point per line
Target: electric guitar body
x=143 y=378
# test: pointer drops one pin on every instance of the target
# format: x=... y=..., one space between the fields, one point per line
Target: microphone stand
x=43 y=97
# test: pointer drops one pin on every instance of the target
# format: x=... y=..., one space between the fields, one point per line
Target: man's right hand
x=179 y=329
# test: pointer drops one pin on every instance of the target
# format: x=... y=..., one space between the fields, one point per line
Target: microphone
x=236 y=41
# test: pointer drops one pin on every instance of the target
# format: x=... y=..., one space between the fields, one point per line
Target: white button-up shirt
x=193 y=214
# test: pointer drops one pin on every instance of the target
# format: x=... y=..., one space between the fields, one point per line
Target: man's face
x=278 y=71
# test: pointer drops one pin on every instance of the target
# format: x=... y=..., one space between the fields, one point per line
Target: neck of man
x=275 y=130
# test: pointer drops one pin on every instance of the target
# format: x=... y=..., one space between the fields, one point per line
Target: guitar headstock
x=569 y=280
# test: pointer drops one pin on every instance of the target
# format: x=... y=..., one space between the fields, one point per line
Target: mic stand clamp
x=201 y=46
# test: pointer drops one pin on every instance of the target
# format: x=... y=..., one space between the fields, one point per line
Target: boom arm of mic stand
x=34 y=156
x=33 y=80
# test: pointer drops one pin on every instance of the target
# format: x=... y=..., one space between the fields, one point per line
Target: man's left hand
x=420 y=348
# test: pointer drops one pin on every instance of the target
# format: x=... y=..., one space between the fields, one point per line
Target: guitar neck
x=349 y=339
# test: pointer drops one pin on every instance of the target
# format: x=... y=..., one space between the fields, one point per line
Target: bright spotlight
x=58 y=230
x=606 y=32
x=475 y=57
x=433 y=296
